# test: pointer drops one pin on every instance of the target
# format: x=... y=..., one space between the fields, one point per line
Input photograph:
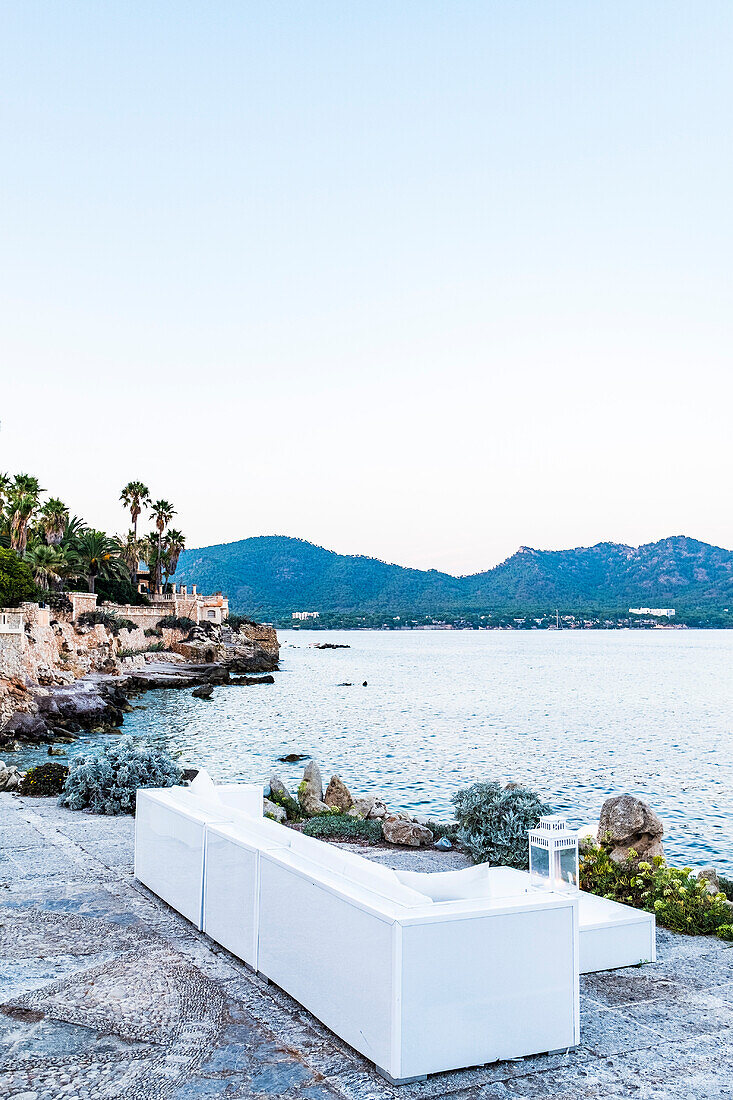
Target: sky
x=422 y=280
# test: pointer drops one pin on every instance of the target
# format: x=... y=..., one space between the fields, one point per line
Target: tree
x=53 y=519
x=16 y=580
x=162 y=512
x=135 y=496
x=21 y=507
x=173 y=543
x=51 y=565
x=99 y=555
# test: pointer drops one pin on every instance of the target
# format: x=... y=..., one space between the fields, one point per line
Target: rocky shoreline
x=98 y=701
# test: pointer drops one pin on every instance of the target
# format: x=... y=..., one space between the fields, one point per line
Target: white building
x=662 y=612
x=305 y=615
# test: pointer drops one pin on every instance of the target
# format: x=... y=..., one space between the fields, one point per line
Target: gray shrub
x=493 y=822
x=107 y=782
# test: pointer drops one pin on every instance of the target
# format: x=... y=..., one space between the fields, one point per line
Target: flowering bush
x=677 y=898
x=44 y=780
x=493 y=822
x=107 y=782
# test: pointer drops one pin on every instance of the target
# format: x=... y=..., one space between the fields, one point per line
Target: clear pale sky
x=424 y=281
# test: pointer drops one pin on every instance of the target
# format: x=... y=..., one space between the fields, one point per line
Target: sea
x=416 y=715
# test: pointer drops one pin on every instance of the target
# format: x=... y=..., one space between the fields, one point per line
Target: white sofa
x=419 y=972
x=170 y=827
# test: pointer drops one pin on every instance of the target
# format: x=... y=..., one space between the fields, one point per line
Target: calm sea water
x=576 y=715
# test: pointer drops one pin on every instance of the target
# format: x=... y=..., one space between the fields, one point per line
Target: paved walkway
x=105 y=992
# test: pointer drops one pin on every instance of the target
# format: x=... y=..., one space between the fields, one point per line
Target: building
x=305 y=615
x=661 y=612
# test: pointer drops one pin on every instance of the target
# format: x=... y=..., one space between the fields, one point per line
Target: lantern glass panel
x=539 y=864
x=568 y=866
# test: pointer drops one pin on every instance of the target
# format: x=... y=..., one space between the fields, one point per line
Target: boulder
x=312 y=776
x=709 y=876
x=409 y=833
x=361 y=807
x=627 y=822
x=10 y=777
x=378 y=810
x=338 y=795
x=203 y=692
x=271 y=809
x=281 y=796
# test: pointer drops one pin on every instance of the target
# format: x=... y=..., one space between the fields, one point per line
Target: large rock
x=628 y=823
x=409 y=833
x=10 y=777
x=280 y=795
x=310 y=791
x=312 y=776
x=338 y=795
x=709 y=876
x=271 y=809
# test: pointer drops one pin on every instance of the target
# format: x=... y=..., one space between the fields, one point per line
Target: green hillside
x=274 y=575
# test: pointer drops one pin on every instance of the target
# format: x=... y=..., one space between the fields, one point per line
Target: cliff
x=47 y=667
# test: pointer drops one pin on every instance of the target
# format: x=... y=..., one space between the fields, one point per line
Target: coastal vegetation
x=679 y=900
x=45 y=780
x=493 y=822
x=45 y=551
x=16 y=580
x=107 y=782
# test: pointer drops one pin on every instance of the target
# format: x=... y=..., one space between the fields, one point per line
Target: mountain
x=273 y=575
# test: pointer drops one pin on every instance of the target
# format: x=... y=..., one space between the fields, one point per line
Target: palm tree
x=99 y=555
x=53 y=519
x=26 y=483
x=162 y=512
x=131 y=551
x=174 y=543
x=5 y=483
x=135 y=496
x=51 y=565
x=21 y=508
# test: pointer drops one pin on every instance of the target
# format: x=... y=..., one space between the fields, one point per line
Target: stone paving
x=106 y=993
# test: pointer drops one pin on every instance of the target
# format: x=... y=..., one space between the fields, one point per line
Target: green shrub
x=343 y=827
x=725 y=931
x=107 y=782
x=99 y=617
x=151 y=632
x=443 y=828
x=677 y=898
x=44 y=781
x=176 y=622
x=16 y=580
x=493 y=822
x=235 y=621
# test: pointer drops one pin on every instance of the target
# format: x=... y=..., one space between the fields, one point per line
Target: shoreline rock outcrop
x=59 y=678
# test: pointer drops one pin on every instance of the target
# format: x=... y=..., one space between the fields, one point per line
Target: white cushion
x=471 y=882
x=203 y=786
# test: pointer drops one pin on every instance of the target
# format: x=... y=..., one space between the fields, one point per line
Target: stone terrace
x=105 y=992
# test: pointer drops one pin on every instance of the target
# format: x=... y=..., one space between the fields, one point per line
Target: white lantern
x=553 y=855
